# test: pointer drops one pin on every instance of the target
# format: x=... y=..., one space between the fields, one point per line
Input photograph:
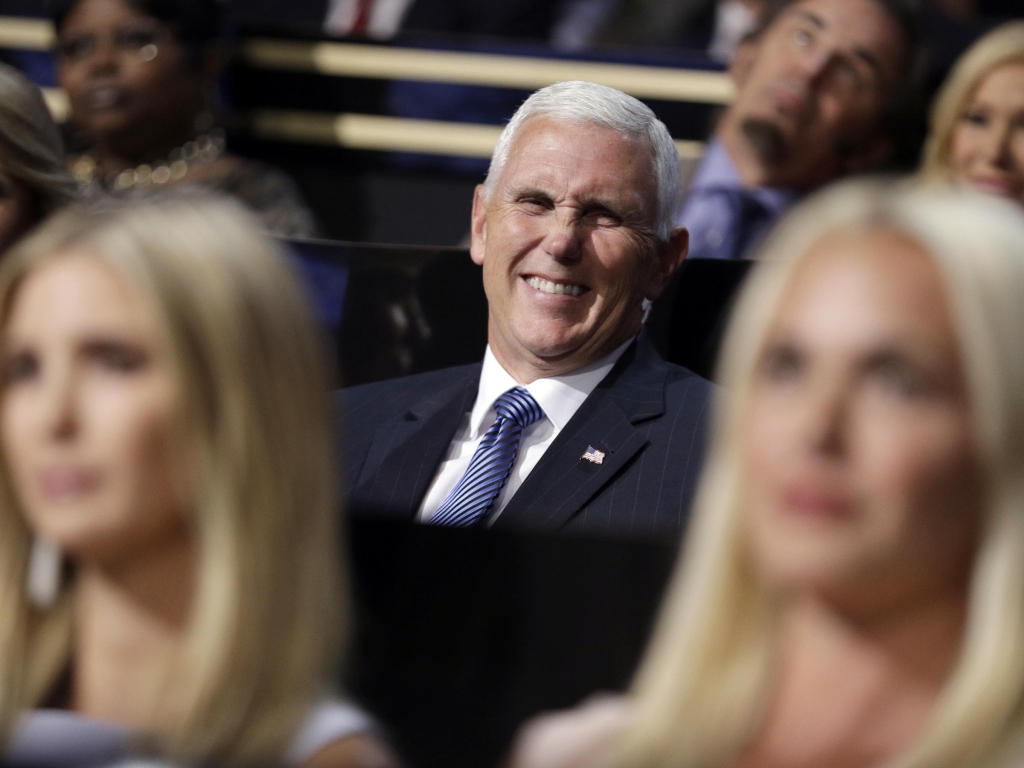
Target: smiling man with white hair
x=573 y=421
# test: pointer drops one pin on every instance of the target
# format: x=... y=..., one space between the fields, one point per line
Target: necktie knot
x=494 y=459
x=519 y=406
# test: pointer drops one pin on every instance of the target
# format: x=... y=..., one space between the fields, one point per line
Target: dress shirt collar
x=718 y=171
x=559 y=396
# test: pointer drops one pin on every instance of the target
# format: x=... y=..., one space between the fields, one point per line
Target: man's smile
x=557 y=287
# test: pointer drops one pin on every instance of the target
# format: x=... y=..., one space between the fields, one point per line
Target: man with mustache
x=822 y=91
x=573 y=422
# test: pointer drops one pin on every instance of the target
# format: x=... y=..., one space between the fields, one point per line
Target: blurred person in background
x=573 y=421
x=822 y=91
x=141 y=78
x=976 y=136
x=850 y=593
x=34 y=180
x=170 y=574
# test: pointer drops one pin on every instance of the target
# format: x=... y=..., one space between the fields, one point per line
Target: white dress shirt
x=559 y=397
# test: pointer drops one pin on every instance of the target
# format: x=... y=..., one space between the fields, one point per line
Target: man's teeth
x=548 y=287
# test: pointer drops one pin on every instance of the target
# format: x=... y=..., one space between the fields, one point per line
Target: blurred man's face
x=811 y=89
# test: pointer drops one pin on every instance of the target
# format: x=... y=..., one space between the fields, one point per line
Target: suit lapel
x=563 y=482
x=405 y=454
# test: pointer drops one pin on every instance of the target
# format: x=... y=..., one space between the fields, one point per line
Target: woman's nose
x=826 y=418
x=59 y=404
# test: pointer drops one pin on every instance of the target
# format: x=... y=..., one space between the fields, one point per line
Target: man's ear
x=743 y=61
x=670 y=256
x=478 y=225
x=870 y=154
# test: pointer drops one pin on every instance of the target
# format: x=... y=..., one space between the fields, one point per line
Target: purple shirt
x=714 y=219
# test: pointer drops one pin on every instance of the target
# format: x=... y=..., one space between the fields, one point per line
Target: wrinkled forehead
x=582 y=158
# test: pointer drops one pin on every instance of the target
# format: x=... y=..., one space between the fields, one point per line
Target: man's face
x=811 y=89
x=566 y=240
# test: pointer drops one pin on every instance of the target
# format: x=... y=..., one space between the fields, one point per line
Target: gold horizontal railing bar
x=392 y=134
x=502 y=71
x=26 y=34
x=386 y=62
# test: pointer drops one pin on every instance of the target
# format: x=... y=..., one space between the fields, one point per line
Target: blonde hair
x=705 y=682
x=269 y=607
x=1003 y=45
x=31 y=149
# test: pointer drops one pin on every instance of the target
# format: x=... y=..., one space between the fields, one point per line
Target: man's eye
x=802 y=37
x=535 y=204
x=602 y=218
x=20 y=367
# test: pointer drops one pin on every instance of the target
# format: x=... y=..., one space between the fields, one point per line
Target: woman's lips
x=816 y=502
x=996 y=186
x=106 y=97
x=64 y=484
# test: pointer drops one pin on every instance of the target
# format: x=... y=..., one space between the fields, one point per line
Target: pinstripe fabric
x=488 y=471
x=649 y=417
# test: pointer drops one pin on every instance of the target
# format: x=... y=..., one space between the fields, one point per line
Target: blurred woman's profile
x=141 y=78
x=851 y=591
x=170 y=572
x=976 y=136
x=34 y=180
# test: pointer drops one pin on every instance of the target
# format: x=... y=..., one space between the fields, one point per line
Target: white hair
x=583 y=103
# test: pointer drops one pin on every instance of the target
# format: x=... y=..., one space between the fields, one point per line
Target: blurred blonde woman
x=976 y=136
x=170 y=570
x=851 y=591
x=34 y=180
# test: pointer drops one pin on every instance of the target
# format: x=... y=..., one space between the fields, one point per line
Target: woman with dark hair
x=140 y=75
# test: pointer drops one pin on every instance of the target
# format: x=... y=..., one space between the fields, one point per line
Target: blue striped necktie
x=492 y=463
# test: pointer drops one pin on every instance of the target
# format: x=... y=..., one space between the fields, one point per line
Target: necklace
x=201 y=150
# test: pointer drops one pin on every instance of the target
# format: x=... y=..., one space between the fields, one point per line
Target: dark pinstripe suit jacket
x=649 y=418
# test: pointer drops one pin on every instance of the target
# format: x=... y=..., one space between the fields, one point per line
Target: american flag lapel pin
x=593 y=455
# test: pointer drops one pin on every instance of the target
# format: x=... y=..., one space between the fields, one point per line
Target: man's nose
x=562 y=239
x=814 y=62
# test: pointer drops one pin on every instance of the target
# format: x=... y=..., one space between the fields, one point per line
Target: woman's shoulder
x=339 y=734
x=58 y=737
x=572 y=739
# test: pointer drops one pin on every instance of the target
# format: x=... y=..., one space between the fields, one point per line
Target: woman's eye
x=135 y=39
x=977 y=118
x=119 y=358
x=782 y=364
x=20 y=367
x=77 y=47
x=901 y=378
